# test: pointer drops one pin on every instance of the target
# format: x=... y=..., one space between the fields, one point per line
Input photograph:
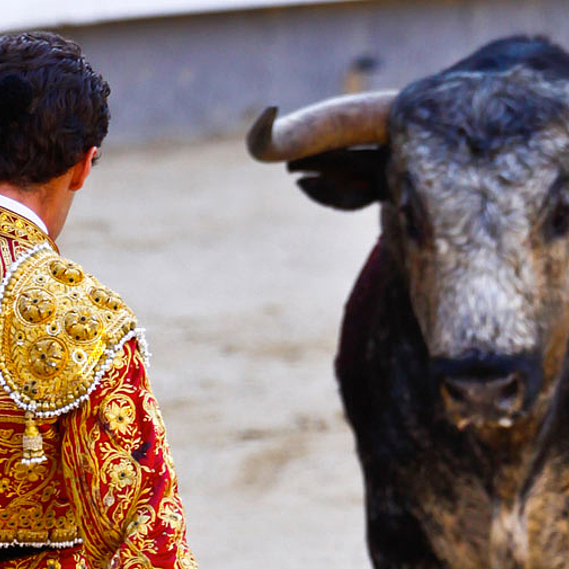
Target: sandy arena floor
x=240 y=281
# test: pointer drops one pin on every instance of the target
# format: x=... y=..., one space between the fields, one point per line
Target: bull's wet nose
x=495 y=398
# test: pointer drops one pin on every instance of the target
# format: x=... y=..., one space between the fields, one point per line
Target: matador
x=86 y=476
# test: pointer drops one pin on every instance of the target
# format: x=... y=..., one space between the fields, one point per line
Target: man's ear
x=82 y=169
x=348 y=179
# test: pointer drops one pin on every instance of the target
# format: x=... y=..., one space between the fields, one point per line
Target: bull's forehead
x=481 y=211
x=481 y=145
x=481 y=153
x=482 y=199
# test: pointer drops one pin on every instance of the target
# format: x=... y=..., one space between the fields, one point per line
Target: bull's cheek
x=421 y=302
x=555 y=350
x=422 y=291
x=550 y=267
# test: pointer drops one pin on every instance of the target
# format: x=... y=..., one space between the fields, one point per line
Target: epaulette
x=60 y=330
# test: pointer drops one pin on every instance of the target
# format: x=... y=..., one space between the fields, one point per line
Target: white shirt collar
x=23 y=210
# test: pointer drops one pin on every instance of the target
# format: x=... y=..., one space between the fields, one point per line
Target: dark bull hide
x=452 y=360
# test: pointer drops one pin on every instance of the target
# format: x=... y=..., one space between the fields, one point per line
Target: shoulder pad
x=59 y=332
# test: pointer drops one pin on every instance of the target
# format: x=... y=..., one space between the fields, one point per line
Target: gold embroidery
x=53 y=335
x=55 y=344
x=83 y=325
x=25 y=233
x=7 y=258
x=32 y=441
x=66 y=272
x=104 y=503
x=35 y=510
x=36 y=305
x=122 y=474
x=106 y=298
x=119 y=414
x=118 y=506
x=61 y=331
x=140 y=525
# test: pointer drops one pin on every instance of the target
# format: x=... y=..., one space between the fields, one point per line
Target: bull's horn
x=334 y=123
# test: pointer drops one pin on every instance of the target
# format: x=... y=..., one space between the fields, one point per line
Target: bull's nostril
x=486 y=388
x=511 y=388
x=455 y=391
x=510 y=392
x=495 y=395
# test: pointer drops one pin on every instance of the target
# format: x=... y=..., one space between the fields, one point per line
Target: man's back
x=86 y=476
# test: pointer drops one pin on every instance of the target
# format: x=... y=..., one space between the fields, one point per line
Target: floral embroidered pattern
x=108 y=476
x=122 y=474
x=129 y=492
x=47 y=357
x=104 y=297
x=36 y=305
x=119 y=414
x=82 y=325
x=141 y=524
x=66 y=272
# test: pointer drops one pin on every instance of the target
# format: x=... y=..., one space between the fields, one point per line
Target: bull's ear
x=348 y=179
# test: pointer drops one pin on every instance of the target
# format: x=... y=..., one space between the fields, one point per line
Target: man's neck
x=50 y=201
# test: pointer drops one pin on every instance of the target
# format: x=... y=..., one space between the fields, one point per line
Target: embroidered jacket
x=86 y=476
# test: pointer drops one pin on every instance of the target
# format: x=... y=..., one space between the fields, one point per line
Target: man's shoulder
x=60 y=329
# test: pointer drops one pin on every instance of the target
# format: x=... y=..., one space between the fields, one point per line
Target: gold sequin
x=66 y=272
x=83 y=325
x=47 y=357
x=103 y=297
x=36 y=305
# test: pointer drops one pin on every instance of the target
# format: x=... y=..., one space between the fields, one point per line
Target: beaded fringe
x=100 y=370
x=48 y=543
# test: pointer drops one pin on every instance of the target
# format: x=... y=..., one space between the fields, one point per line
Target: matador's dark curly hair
x=53 y=107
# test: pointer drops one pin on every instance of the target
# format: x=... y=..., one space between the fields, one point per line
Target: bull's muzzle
x=487 y=389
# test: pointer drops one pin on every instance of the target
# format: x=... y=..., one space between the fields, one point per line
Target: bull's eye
x=411 y=211
x=555 y=209
x=558 y=221
x=410 y=221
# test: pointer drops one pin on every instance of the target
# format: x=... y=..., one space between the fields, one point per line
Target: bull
x=453 y=357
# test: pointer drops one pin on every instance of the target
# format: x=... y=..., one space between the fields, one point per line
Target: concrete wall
x=33 y=13
x=185 y=77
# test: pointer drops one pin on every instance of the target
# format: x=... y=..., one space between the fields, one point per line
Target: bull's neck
x=517 y=457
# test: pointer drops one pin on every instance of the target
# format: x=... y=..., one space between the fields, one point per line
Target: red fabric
x=108 y=470
x=113 y=474
x=119 y=473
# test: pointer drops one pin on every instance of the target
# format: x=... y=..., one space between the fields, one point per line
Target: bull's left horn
x=334 y=123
